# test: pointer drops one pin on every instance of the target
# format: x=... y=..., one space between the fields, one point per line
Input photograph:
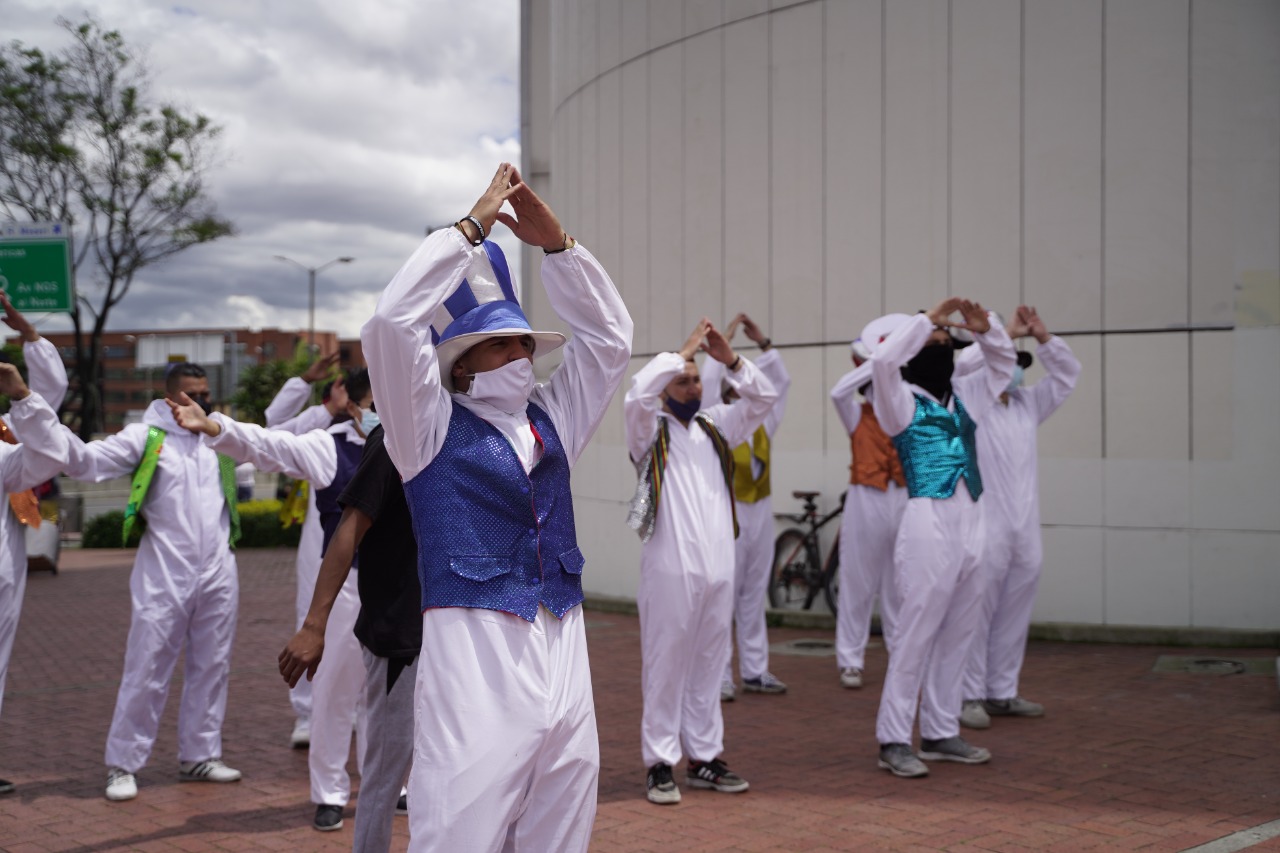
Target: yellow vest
x=746 y=488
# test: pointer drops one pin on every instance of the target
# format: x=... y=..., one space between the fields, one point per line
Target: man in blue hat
x=505 y=745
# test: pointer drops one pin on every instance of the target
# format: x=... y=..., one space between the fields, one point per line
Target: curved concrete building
x=1115 y=163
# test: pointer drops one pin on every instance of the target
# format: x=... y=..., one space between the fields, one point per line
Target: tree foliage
x=259 y=384
x=83 y=142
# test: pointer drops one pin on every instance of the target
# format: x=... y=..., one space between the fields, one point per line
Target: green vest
x=146 y=471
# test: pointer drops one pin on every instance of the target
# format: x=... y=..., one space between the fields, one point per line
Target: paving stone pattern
x=1126 y=759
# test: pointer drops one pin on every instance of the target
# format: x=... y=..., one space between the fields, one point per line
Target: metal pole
x=311 y=302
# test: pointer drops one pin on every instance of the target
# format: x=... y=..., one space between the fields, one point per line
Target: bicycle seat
x=804 y=496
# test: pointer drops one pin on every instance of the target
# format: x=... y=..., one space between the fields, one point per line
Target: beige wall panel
x=802 y=428
x=796 y=173
x=588 y=165
x=1235 y=161
x=611 y=550
x=702 y=15
x=986 y=152
x=1071 y=491
x=666 y=22
x=746 y=165
x=780 y=4
x=635 y=29
x=1147 y=492
x=1213 y=391
x=535 y=99
x=1075 y=430
x=1147 y=413
x=666 y=198
x=835 y=364
x=915 y=183
x=702 y=218
x=607 y=240
x=609 y=34
x=852 y=224
x=1071 y=584
x=635 y=185
x=735 y=10
x=1062 y=127
x=1234 y=582
x=1145 y=188
x=1148 y=577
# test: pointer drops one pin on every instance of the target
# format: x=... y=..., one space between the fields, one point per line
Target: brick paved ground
x=1126 y=759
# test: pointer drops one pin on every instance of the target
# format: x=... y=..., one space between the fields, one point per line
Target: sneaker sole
x=661 y=799
x=971 y=725
x=117 y=798
x=959 y=759
x=333 y=828
x=695 y=782
x=773 y=691
x=850 y=686
x=182 y=778
x=726 y=697
x=902 y=774
x=1032 y=714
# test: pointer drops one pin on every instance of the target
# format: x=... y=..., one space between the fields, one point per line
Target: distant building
x=134 y=362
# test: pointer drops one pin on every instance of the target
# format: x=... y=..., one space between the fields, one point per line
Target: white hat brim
x=448 y=352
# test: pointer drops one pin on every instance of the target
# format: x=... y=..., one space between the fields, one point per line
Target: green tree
x=259 y=384
x=83 y=142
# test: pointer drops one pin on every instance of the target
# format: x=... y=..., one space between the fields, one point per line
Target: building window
x=117 y=351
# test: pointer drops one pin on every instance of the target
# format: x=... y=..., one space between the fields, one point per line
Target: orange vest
x=875 y=461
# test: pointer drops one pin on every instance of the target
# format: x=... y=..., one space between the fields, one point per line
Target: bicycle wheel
x=831 y=585
x=793 y=566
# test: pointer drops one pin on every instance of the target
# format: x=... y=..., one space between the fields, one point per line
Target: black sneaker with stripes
x=715 y=775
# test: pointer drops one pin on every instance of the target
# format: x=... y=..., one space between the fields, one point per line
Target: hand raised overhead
x=11 y=384
x=535 y=222
x=501 y=187
x=320 y=368
x=14 y=319
x=696 y=337
x=717 y=347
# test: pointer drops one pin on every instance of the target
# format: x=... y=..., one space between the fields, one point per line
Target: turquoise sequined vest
x=937 y=449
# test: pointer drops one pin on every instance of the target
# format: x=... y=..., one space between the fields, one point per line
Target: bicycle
x=798 y=572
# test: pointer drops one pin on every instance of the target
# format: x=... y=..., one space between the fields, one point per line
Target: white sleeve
x=413 y=404
x=842 y=395
x=643 y=401
x=579 y=391
x=310 y=456
x=893 y=402
x=712 y=375
x=756 y=397
x=770 y=364
x=289 y=400
x=43 y=450
x=983 y=387
x=1062 y=370
x=312 y=417
x=113 y=456
x=48 y=375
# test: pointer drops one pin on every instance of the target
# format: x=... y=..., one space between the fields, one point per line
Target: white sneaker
x=851 y=677
x=973 y=715
x=766 y=683
x=301 y=737
x=121 y=785
x=727 y=690
x=212 y=770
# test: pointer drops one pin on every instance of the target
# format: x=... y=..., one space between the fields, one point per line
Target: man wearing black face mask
x=684 y=512
x=185 y=586
x=940 y=539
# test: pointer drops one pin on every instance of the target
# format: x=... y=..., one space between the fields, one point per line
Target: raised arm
x=756 y=394
x=44 y=366
x=286 y=409
x=894 y=404
x=770 y=364
x=643 y=401
x=107 y=458
x=1062 y=369
x=43 y=449
x=981 y=390
x=310 y=456
x=843 y=395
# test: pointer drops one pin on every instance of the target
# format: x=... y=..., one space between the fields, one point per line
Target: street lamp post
x=311 y=291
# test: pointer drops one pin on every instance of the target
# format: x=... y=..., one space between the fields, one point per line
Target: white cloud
x=347 y=130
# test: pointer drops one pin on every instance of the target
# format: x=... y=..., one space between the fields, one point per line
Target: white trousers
x=939 y=597
x=505 y=753
x=752 y=561
x=685 y=619
x=1010 y=575
x=204 y=621
x=388 y=756
x=337 y=694
x=13 y=585
x=868 y=535
x=307 y=569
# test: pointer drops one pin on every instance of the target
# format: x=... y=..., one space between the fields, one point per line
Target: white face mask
x=507 y=388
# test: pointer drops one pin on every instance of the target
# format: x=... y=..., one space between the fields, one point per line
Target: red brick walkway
x=1126 y=759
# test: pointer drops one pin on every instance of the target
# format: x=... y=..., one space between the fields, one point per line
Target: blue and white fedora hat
x=483 y=306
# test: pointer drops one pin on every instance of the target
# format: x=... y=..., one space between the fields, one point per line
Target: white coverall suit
x=753 y=549
x=938 y=549
x=184 y=585
x=17 y=470
x=686 y=570
x=506 y=755
x=283 y=414
x=868 y=535
x=337 y=691
x=1010 y=570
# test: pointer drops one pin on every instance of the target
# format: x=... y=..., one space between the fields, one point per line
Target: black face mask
x=931 y=369
x=205 y=404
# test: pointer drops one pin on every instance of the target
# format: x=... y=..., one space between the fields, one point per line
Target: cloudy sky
x=347 y=129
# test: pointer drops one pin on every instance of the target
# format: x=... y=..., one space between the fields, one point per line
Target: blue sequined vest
x=490 y=535
x=937 y=449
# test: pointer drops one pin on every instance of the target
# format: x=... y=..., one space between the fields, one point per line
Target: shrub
x=259 y=528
